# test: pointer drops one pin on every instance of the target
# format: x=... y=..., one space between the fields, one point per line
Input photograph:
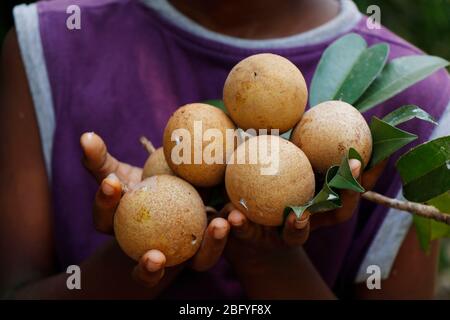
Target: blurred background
x=425 y=23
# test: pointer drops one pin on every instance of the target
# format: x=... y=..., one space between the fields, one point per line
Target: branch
x=148 y=145
x=419 y=209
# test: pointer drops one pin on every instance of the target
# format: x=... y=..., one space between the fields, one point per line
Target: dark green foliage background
x=425 y=23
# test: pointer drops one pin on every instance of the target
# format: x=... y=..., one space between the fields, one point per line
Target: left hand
x=112 y=175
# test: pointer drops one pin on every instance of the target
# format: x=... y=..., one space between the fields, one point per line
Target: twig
x=148 y=145
x=419 y=209
x=211 y=210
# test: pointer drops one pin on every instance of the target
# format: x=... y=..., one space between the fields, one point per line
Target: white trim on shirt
x=28 y=35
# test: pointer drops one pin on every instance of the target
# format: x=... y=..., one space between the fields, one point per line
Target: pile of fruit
x=262 y=92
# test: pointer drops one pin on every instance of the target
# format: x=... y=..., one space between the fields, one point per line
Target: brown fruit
x=265 y=91
x=162 y=212
x=156 y=164
x=327 y=131
x=205 y=172
x=263 y=198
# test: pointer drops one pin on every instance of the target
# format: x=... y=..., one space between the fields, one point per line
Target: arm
x=413 y=274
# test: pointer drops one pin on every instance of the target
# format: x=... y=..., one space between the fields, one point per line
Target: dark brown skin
x=277 y=267
x=259 y=19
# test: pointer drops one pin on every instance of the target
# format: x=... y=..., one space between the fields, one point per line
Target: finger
x=241 y=227
x=106 y=201
x=370 y=177
x=150 y=268
x=355 y=167
x=212 y=246
x=296 y=231
x=96 y=157
x=349 y=200
x=226 y=210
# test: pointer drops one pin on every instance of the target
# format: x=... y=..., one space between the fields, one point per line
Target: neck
x=258 y=19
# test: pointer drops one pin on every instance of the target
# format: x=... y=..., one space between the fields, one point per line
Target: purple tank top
x=127 y=70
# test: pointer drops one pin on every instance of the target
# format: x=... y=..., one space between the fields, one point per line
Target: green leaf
x=423 y=230
x=325 y=200
x=343 y=179
x=439 y=229
x=298 y=211
x=366 y=69
x=335 y=66
x=442 y=202
x=398 y=75
x=339 y=177
x=428 y=229
x=406 y=113
x=425 y=170
x=387 y=139
x=218 y=104
x=286 y=135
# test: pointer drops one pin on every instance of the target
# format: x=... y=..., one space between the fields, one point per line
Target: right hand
x=112 y=176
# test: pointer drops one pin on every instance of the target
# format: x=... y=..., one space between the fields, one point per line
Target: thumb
x=106 y=201
x=96 y=157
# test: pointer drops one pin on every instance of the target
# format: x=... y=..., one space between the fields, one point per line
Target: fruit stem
x=419 y=209
x=148 y=145
x=211 y=210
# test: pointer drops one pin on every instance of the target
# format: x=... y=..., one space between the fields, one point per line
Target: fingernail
x=238 y=223
x=89 y=135
x=112 y=176
x=354 y=165
x=219 y=233
x=302 y=222
x=151 y=266
x=107 y=189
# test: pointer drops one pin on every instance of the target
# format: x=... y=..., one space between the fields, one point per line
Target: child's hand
x=252 y=242
x=113 y=175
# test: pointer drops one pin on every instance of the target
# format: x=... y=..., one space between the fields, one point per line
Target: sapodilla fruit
x=265 y=91
x=327 y=131
x=262 y=179
x=162 y=212
x=205 y=166
x=156 y=163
